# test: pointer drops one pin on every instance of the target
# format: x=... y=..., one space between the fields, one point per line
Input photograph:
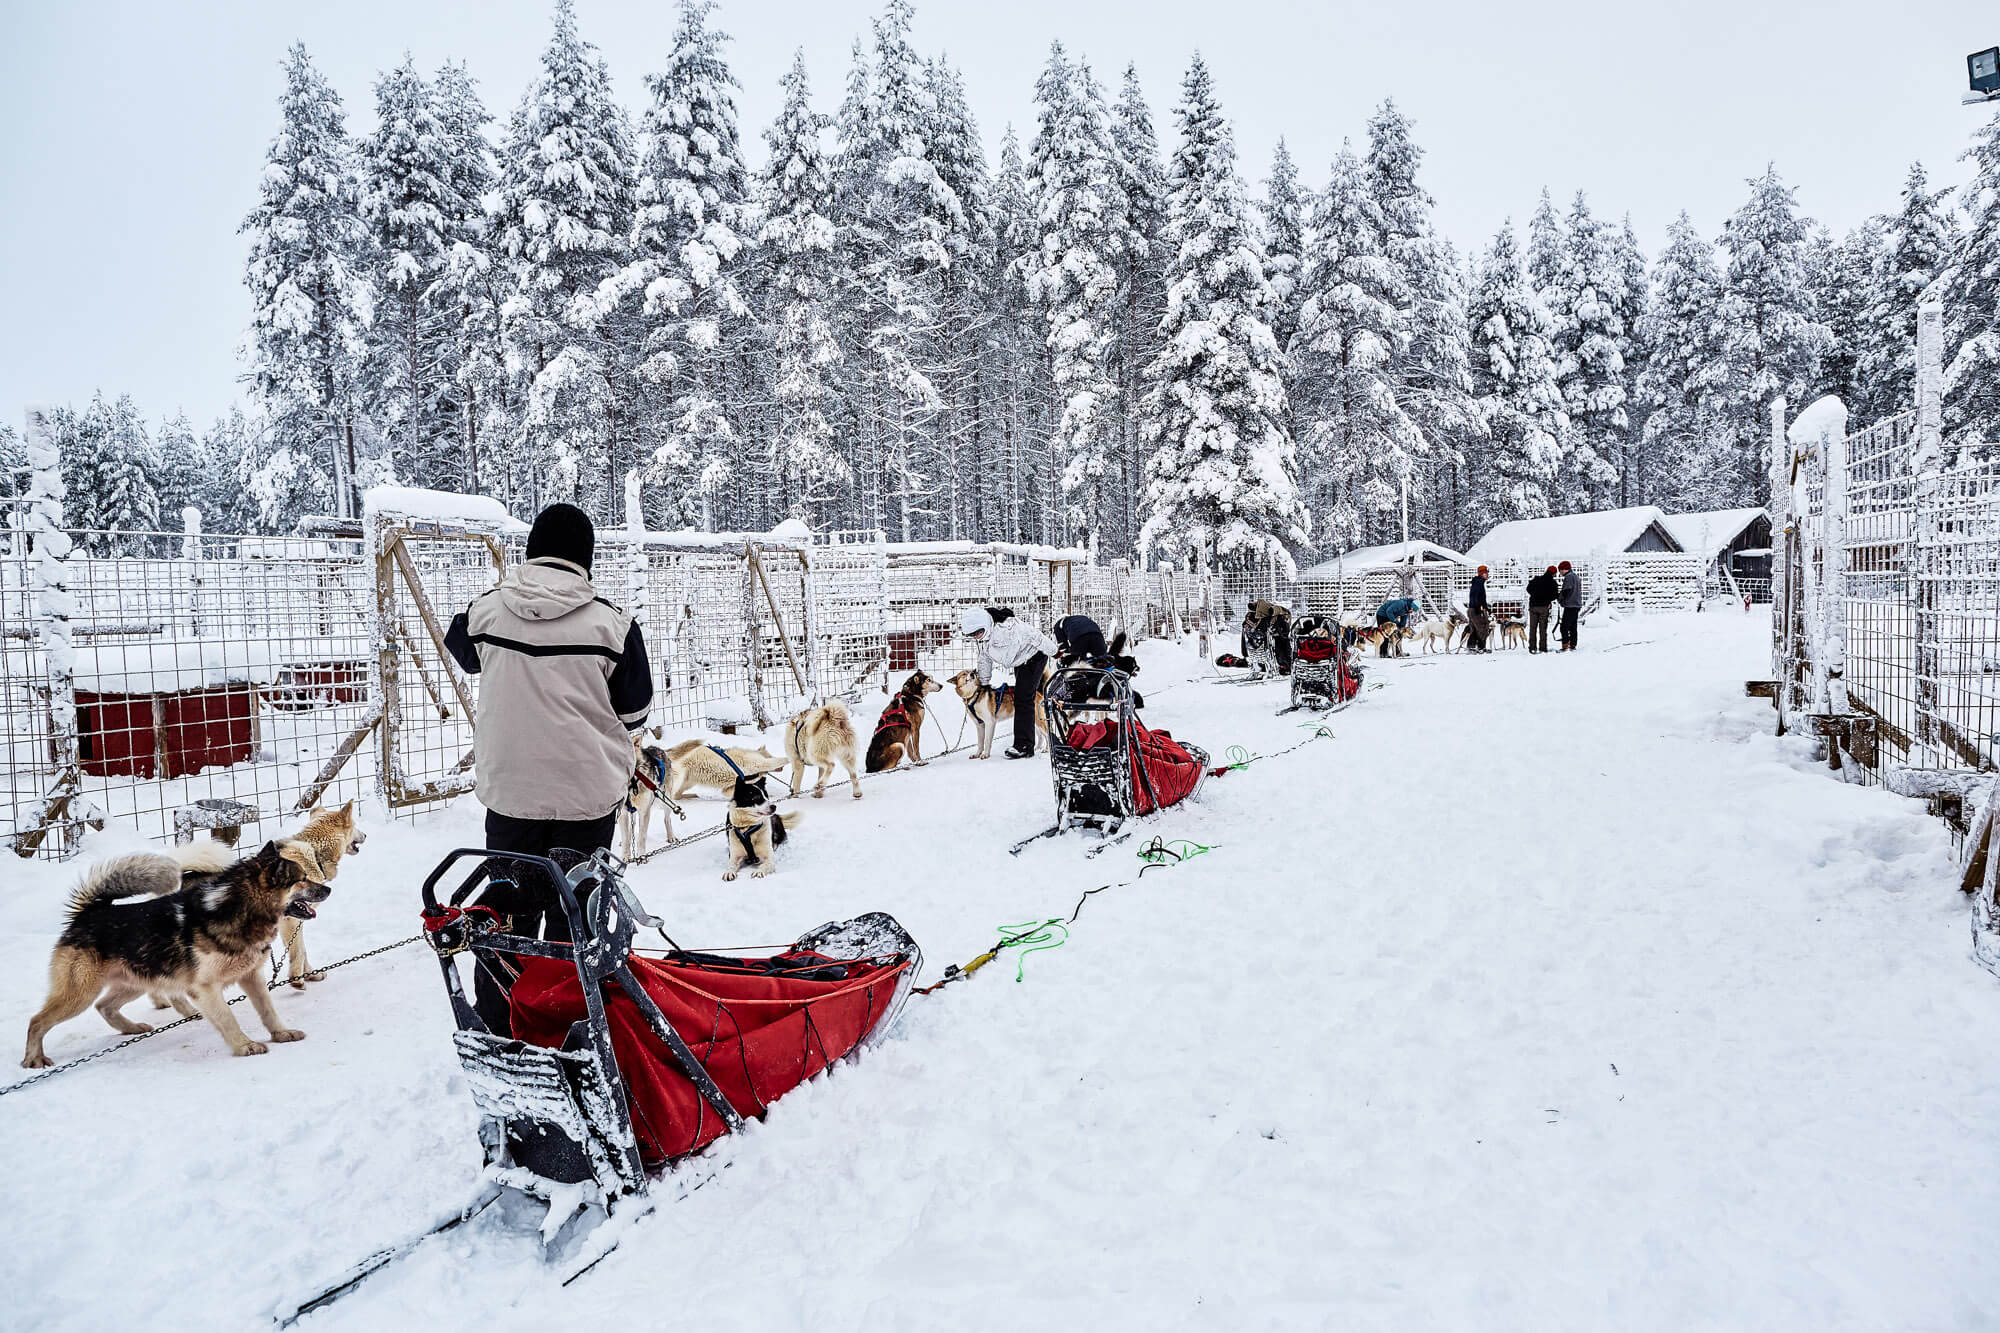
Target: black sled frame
x=1316 y=685
x=1094 y=785
x=555 y=1125
x=551 y=1119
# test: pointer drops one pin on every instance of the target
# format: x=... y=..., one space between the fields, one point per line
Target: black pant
x=529 y=903
x=1027 y=686
x=1570 y=613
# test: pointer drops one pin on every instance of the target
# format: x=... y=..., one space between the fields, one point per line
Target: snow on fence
x=1886 y=596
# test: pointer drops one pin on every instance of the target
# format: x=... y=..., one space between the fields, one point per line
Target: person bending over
x=1010 y=647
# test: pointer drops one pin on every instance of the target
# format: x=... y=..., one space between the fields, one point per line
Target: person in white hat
x=1009 y=646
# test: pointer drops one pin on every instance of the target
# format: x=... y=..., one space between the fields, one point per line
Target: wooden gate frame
x=392 y=560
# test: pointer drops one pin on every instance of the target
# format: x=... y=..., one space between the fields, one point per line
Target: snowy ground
x=1552 y=993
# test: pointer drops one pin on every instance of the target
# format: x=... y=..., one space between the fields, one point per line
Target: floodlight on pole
x=1982 y=70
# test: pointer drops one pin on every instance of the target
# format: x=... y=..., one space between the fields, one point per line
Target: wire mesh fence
x=1886 y=615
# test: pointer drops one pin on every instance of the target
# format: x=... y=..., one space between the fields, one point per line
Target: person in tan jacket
x=564 y=688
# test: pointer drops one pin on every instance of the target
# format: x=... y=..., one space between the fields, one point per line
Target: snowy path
x=1553 y=993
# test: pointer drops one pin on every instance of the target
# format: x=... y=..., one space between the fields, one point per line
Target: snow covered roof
x=1381 y=557
x=1573 y=536
x=164 y=666
x=1709 y=532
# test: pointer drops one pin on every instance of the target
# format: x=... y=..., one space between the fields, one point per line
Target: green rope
x=1033 y=937
x=1161 y=853
x=1237 y=756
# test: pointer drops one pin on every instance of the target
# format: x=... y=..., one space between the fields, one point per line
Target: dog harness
x=650 y=773
x=747 y=835
x=895 y=715
x=724 y=756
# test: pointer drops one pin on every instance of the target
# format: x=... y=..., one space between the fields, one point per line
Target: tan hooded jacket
x=564 y=686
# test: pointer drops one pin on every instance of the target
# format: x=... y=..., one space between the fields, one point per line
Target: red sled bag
x=760 y=1026
x=1165 y=774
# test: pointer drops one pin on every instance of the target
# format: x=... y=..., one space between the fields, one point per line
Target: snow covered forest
x=1088 y=331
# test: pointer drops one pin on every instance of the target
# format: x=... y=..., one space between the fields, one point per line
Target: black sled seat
x=619 y=1063
x=1107 y=765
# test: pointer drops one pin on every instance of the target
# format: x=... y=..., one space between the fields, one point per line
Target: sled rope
x=138 y=1037
x=1033 y=937
x=1242 y=758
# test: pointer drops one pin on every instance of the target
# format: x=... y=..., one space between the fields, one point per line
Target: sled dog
x=331 y=834
x=695 y=764
x=756 y=829
x=180 y=944
x=1436 y=632
x=1513 y=634
x=989 y=707
x=819 y=737
x=899 y=733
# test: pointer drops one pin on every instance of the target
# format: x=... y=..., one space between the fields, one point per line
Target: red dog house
x=166 y=735
x=167 y=708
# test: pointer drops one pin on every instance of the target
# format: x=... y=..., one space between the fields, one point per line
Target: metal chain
x=137 y=1037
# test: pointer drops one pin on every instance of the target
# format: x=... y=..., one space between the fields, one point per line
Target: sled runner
x=619 y=1065
x=1323 y=674
x=1107 y=765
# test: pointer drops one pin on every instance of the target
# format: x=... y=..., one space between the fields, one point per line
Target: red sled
x=620 y=1064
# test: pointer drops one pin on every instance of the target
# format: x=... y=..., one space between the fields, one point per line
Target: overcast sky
x=134 y=131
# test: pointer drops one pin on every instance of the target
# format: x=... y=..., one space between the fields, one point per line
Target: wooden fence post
x=1784 y=539
x=1926 y=460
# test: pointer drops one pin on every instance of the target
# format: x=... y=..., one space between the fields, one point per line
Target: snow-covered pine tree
x=1972 y=302
x=13 y=463
x=1358 y=443
x=563 y=223
x=1432 y=372
x=126 y=500
x=683 y=269
x=1222 y=479
x=797 y=240
x=899 y=216
x=1683 y=437
x=1630 y=308
x=1284 y=218
x=410 y=204
x=1841 y=280
x=1770 y=341
x=1012 y=508
x=310 y=295
x=1918 y=247
x=965 y=307
x=1074 y=282
x=232 y=464
x=1141 y=257
x=1513 y=469
x=472 y=289
x=1590 y=363
x=1547 y=250
x=177 y=470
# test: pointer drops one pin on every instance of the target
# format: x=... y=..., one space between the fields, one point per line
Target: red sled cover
x=1315 y=650
x=760 y=1033
x=1166 y=772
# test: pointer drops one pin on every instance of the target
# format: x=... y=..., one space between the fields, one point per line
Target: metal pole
x=1926 y=460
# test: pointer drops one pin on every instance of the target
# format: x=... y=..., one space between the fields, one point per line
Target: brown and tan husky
x=989 y=707
x=899 y=734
